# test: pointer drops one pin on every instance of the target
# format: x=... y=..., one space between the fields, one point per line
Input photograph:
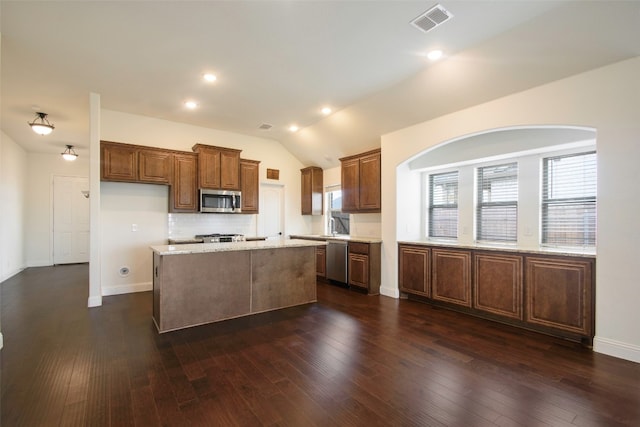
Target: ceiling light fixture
x=192 y=105
x=41 y=125
x=210 y=77
x=326 y=111
x=69 y=154
x=294 y=128
x=434 y=55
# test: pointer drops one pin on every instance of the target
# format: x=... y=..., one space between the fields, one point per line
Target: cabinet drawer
x=359 y=248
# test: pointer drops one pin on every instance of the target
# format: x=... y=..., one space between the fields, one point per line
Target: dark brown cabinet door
x=249 y=185
x=451 y=276
x=350 y=182
x=497 y=284
x=184 y=191
x=415 y=270
x=155 y=166
x=118 y=162
x=369 y=199
x=230 y=169
x=559 y=293
x=312 y=191
x=358 y=270
x=321 y=261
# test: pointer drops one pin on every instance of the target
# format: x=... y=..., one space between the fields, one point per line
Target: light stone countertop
x=340 y=237
x=499 y=248
x=197 y=248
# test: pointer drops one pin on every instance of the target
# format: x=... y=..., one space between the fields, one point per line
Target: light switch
x=134 y=227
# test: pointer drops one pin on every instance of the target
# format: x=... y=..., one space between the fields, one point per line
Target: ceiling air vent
x=432 y=18
x=265 y=126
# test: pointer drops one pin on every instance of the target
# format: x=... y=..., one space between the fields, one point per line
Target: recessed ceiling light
x=326 y=111
x=191 y=105
x=434 y=55
x=210 y=77
x=294 y=128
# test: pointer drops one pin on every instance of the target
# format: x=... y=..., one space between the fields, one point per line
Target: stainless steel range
x=220 y=238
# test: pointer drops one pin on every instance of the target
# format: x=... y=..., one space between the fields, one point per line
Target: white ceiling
x=279 y=62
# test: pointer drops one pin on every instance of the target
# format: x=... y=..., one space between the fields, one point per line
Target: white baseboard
x=390 y=292
x=617 y=349
x=127 y=289
x=94 y=302
x=10 y=274
x=42 y=263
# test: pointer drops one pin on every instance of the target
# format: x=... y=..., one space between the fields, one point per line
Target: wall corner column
x=95 y=288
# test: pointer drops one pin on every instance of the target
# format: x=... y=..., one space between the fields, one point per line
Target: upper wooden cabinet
x=360 y=176
x=249 y=185
x=183 y=195
x=134 y=163
x=219 y=168
x=312 y=200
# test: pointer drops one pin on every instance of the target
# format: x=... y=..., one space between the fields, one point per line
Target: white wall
x=147 y=205
x=607 y=99
x=39 y=201
x=13 y=185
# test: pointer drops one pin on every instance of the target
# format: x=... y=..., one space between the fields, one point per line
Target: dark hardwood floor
x=348 y=360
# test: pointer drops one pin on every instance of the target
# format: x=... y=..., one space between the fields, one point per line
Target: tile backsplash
x=188 y=225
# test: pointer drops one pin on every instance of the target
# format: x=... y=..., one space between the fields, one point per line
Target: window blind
x=569 y=200
x=443 y=205
x=497 y=208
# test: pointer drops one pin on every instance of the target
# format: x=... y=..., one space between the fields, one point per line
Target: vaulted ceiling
x=280 y=62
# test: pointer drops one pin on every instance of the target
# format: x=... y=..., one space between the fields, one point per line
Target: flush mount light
x=209 y=77
x=434 y=55
x=41 y=125
x=191 y=105
x=293 y=128
x=326 y=111
x=69 y=154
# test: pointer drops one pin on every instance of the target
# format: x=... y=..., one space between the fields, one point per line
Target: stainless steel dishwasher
x=337 y=261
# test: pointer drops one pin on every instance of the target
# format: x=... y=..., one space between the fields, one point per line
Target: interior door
x=70 y=219
x=271 y=216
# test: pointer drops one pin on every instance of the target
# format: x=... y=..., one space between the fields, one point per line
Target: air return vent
x=432 y=18
x=265 y=126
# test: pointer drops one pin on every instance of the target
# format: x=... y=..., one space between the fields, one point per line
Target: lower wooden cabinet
x=364 y=266
x=414 y=270
x=559 y=294
x=497 y=284
x=451 y=276
x=321 y=261
x=548 y=293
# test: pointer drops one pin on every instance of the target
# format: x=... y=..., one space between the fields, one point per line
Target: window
x=569 y=200
x=443 y=205
x=338 y=222
x=497 y=207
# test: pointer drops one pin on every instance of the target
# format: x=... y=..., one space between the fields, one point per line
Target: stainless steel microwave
x=220 y=201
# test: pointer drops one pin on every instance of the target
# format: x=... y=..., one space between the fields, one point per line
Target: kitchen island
x=201 y=283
